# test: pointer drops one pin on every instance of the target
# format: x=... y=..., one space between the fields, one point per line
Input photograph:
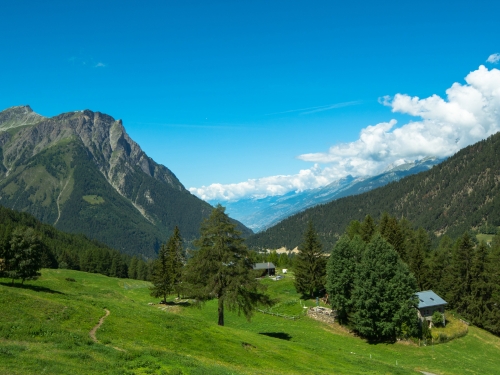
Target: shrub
x=437 y=319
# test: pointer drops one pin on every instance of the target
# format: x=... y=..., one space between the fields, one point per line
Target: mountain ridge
x=82 y=172
x=260 y=214
x=460 y=194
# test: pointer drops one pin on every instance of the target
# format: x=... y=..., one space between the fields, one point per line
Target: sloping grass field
x=45 y=325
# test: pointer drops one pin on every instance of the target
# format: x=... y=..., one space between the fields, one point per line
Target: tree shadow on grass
x=277 y=335
x=35 y=288
x=179 y=303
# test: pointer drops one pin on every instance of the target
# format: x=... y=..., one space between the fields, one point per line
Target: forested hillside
x=62 y=250
x=458 y=195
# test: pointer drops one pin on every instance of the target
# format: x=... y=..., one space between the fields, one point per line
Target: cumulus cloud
x=470 y=112
x=494 y=59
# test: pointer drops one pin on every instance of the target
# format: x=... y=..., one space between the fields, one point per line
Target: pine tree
x=416 y=252
x=479 y=303
x=460 y=276
x=310 y=266
x=440 y=266
x=222 y=268
x=340 y=272
x=383 y=295
x=176 y=260
x=368 y=228
x=162 y=277
x=132 y=269
x=492 y=318
x=353 y=229
x=393 y=234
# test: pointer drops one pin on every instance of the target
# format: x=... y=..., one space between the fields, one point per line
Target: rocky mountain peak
x=18 y=116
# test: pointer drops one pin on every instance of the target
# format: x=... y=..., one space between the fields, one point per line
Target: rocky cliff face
x=45 y=169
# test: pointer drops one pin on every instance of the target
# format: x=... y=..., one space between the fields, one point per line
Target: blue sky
x=227 y=91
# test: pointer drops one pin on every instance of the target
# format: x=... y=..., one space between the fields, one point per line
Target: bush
x=437 y=319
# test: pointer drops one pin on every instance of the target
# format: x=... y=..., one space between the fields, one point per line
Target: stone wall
x=322 y=314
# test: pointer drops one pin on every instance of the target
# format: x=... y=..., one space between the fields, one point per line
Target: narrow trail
x=97 y=326
x=57 y=201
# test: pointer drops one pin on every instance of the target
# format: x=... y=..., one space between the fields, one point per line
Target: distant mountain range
x=260 y=214
x=81 y=172
x=460 y=194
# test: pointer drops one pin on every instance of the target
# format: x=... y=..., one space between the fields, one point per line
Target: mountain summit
x=81 y=172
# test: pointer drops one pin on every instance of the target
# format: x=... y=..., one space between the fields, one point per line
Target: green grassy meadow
x=45 y=325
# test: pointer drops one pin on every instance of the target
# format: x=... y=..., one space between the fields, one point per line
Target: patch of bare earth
x=97 y=326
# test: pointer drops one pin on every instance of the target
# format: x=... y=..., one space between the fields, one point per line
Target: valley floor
x=45 y=326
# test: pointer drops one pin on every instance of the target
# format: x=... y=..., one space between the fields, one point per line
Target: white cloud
x=99 y=65
x=469 y=113
x=494 y=58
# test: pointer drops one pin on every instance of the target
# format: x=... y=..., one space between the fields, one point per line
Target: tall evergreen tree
x=479 y=304
x=162 y=274
x=310 y=266
x=132 y=269
x=440 y=264
x=176 y=260
x=368 y=228
x=492 y=319
x=460 y=276
x=340 y=272
x=384 y=294
x=416 y=252
x=222 y=268
x=353 y=229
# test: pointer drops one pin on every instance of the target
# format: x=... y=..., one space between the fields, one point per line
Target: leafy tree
x=222 y=268
x=340 y=272
x=25 y=255
x=384 y=294
x=310 y=266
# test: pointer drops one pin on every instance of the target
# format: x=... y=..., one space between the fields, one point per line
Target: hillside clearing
x=45 y=325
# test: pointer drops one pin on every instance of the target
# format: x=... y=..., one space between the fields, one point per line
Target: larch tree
x=310 y=266
x=222 y=269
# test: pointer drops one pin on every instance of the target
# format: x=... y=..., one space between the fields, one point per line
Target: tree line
x=27 y=245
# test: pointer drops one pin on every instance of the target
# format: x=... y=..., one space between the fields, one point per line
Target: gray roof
x=263 y=266
x=428 y=298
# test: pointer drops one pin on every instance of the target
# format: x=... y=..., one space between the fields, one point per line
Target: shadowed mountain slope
x=81 y=172
x=457 y=195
